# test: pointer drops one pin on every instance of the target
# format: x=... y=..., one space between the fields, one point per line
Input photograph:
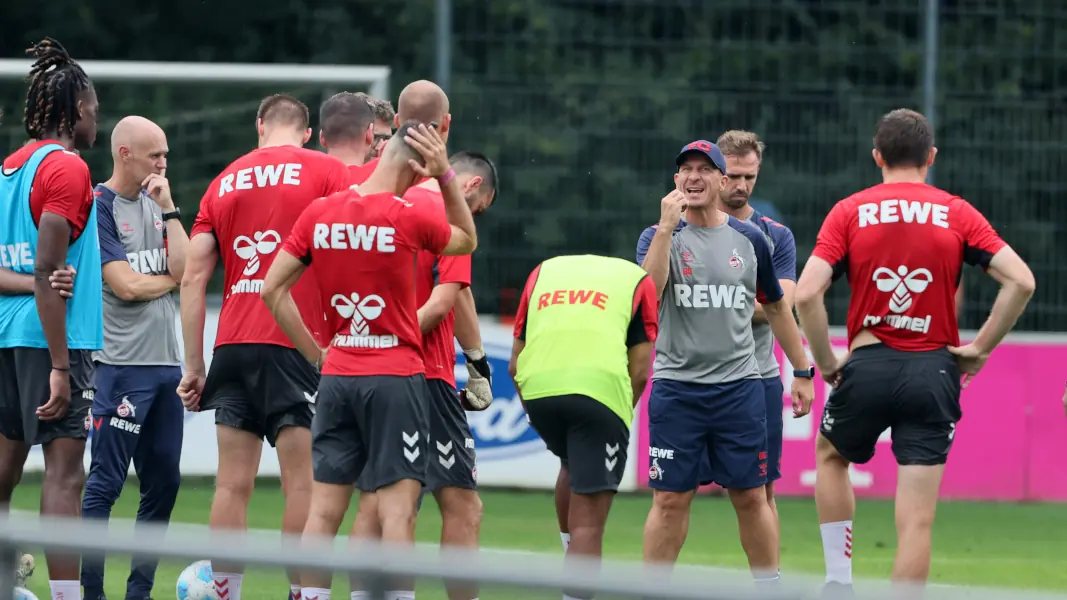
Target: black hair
x=345 y=117
x=56 y=80
x=466 y=161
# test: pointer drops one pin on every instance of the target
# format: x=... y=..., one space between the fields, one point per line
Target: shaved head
x=139 y=148
x=133 y=131
x=422 y=101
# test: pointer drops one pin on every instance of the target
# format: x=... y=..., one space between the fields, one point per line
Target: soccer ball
x=197 y=582
x=24 y=594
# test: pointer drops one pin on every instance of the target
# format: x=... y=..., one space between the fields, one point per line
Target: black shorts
x=24 y=388
x=917 y=394
x=371 y=431
x=588 y=437
x=452 y=461
x=260 y=388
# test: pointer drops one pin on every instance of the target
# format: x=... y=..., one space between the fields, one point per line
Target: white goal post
x=375 y=77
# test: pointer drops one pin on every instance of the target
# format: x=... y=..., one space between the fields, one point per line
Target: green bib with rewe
x=576 y=325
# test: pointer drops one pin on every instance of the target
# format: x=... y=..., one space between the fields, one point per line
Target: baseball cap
x=705 y=148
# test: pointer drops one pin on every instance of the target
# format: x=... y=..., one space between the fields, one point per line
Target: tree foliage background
x=583 y=104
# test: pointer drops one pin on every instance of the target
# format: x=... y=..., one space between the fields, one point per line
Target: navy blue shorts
x=774 y=390
x=722 y=427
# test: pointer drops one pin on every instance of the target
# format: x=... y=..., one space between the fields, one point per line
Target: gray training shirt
x=135 y=333
x=705 y=313
x=784 y=257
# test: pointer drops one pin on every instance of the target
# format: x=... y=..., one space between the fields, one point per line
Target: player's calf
x=562 y=497
x=461 y=519
x=916 y=504
x=294 y=459
x=12 y=460
x=756 y=525
x=64 y=479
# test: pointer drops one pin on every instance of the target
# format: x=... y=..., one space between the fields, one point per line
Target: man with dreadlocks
x=47 y=221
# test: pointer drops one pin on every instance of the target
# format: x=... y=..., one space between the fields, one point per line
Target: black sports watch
x=174 y=214
x=808 y=373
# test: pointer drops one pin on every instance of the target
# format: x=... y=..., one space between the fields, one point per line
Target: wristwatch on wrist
x=808 y=373
x=174 y=214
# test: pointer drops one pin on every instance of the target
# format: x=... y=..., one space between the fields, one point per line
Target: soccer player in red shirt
x=372 y=412
x=37 y=379
x=259 y=386
x=346 y=131
x=902 y=244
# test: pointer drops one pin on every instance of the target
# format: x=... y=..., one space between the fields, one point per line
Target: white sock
x=766 y=577
x=837 y=550
x=315 y=594
x=65 y=590
x=294 y=591
x=228 y=585
x=401 y=595
x=360 y=595
x=566 y=539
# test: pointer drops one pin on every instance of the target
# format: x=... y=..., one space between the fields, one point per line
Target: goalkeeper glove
x=478 y=394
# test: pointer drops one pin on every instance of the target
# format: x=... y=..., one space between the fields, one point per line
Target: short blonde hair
x=737 y=142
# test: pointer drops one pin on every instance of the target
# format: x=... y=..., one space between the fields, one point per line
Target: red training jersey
x=903 y=246
x=61 y=185
x=438 y=345
x=359 y=173
x=365 y=249
x=644 y=320
x=250 y=208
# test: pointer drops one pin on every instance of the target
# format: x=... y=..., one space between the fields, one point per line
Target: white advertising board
x=510 y=453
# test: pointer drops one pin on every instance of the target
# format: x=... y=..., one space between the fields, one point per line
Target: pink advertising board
x=1009 y=444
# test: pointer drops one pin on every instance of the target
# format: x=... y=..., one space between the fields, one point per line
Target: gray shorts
x=371 y=430
x=24 y=388
x=452 y=461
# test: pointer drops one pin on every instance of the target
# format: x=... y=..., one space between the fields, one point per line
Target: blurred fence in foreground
x=375 y=563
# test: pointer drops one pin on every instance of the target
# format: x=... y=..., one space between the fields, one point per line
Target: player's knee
x=461 y=508
x=10 y=476
x=234 y=489
x=671 y=504
x=750 y=500
x=65 y=477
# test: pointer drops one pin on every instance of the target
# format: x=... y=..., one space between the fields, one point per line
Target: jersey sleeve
x=785 y=251
x=980 y=241
x=644 y=324
x=67 y=189
x=644 y=242
x=301 y=237
x=768 y=290
x=433 y=231
x=454 y=269
x=111 y=248
x=203 y=222
x=831 y=244
x=524 y=304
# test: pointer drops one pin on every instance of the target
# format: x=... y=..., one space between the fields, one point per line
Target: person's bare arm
x=441 y=301
x=811 y=308
x=15 y=284
x=131 y=286
x=467 y=330
x=202 y=257
x=789 y=288
x=658 y=260
x=177 y=248
x=784 y=327
x=284 y=272
x=1016 y=287
x=53 y=239
x=513 y=364
x=639 y=362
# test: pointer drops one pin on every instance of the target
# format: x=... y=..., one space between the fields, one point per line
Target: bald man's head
x=425 y=102
x=138 y=147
